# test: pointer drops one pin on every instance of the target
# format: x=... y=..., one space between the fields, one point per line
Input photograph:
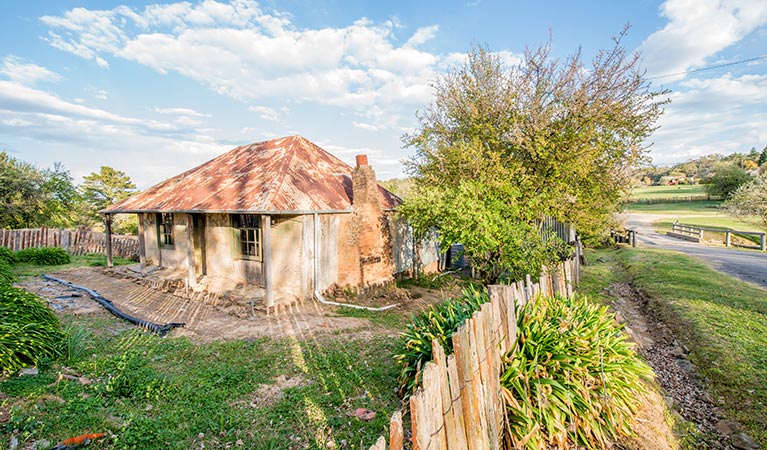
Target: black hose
x=161 y=330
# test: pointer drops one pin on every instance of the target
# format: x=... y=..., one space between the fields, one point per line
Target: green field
x=723 y=322
x=668 y=192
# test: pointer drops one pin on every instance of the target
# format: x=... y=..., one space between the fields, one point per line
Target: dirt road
x=747 y=265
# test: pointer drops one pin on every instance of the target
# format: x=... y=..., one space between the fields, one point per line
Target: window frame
x=163 y=232
x=253 y=224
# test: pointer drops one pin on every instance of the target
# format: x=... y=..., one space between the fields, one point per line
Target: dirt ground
x=205 y=321
x=683 y=392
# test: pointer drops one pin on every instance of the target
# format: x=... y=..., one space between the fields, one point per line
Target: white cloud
x=181 y=111
x=365 y=126
x=16 y=122
x=422 y=35
x=239 y=50
x=697 y=30
x=718 y=115
x=100 y=94
x=20 y=71
x=265 y=112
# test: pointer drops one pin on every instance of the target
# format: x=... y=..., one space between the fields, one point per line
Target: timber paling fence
x=79 y=241
x=460 y=405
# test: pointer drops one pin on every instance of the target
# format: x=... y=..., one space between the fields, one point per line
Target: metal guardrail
x=697 y=232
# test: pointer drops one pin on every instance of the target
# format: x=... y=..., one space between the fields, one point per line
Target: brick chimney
x=365 y=194
x=370 y=230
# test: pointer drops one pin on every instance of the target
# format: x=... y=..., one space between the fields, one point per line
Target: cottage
x=283 y=214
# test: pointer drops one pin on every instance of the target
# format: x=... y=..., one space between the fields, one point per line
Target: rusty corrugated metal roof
x=283 y=175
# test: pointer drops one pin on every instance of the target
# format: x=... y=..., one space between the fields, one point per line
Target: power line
x=707 y=68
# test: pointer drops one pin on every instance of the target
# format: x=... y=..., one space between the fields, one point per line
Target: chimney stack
x=362 y=160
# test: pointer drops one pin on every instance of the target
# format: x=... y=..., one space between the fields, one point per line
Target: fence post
x=108 y=238
x=762 y=243
x=727 y=238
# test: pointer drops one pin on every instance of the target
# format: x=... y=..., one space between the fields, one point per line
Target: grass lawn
x=146 y=392
x=662 y=192
x=150 y=392
x=29 y=269
x=720 y=319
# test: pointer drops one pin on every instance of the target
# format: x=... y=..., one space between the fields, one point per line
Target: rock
x=14 y=443
x=684 y=364
x=744 y=442
x=42 y=444
x=677 y=351
x=727 y=427
x=28 y=371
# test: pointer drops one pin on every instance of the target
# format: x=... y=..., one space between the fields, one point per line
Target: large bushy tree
x=547 y=137
x=749 y=201
x=105 y=187
x=30 y=197
x=726 y=180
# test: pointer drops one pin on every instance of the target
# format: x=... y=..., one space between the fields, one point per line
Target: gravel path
x=747 y=265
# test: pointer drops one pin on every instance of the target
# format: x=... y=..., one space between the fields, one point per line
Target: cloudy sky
x=155 y=88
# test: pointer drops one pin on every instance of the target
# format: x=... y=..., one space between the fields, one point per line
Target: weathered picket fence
x=79 y=241
x=460 y=405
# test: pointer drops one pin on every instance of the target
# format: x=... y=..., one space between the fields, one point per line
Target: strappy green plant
x=438 y=322
x=29 y=331
x=573 y=377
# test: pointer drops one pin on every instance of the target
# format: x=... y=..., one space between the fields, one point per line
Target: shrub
x=43 y=256
x=574 y=378
x=6 y=275
x=29 y=331
x=438 y=322
x=7 y=255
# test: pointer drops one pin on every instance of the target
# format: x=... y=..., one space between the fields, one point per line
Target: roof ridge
x=283 y=171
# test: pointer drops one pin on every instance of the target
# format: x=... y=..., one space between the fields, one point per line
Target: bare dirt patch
x=683 y=392
x=205 y=322
x=268 y=394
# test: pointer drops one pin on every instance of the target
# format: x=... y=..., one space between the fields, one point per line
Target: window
x=248 y=229
x=165 y=229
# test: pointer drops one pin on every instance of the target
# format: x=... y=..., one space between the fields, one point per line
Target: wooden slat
x=453 y=433
x=380 y=444
x=471 y=417
x=396 y=432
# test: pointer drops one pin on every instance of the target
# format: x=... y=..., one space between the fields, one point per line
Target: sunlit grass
x=658 y=192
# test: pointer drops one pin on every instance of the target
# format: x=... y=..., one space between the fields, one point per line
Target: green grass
x=708 y=207
x=29 y=269
x=155 y=392
x=662 y=192
x=722 y=223
x=720 y=319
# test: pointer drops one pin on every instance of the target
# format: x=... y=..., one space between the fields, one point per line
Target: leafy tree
x=19 y=193
x=103 y=188
x=61 y=196
x=727 y=179
x=545 y=138
x=762 y=157
x=750 y=200
x=30 y=197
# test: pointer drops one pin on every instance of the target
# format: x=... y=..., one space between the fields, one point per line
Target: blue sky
x=155 y=88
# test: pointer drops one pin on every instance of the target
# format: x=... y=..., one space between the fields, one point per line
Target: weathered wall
x=403 y=252
x=329 y=254
x=176 y=256
x=286 y=244
x=348 y=254
x=150 y=239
